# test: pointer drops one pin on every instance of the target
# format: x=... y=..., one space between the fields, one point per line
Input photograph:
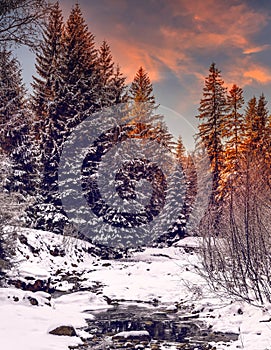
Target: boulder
x=64 y=331
x=33 y=301
x=33 y=285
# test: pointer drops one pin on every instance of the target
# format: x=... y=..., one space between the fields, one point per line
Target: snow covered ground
x=86 y=283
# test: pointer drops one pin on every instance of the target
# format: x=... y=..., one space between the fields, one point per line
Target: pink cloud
x=130 y=58
x=177 y=37
x=216 y=25
x=256 y=49
x=259 y=74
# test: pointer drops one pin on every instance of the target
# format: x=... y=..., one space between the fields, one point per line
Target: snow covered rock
x=132 y=336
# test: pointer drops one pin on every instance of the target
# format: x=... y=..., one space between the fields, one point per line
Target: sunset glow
x=177 y=40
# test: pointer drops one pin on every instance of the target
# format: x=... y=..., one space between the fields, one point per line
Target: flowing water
x=184 y=330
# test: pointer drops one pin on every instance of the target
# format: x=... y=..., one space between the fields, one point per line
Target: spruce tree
x=106 y=73
x=234 y=121
x=212 y=114
x=186 y=163
x=233 y=132
x=47 y=67
x=257 y=134
x=47 y=128
x=256 y=124
x=71 y=95
x=13 y=113
x=147 y=123
x=7 y=215
x=182 y=161
x=172 y=220
x=180 y=151
x=141 y=94
x=119 y=87
x=262 y=124
x=15 y=125
x=177 y=229
x=251 y=121
x=77 y=95
x=78 y=92
x=141 y=89
x=47 y=125
x=190 y=172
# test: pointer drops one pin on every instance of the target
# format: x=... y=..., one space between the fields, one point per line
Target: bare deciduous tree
x=238 y=261
x=21 y=21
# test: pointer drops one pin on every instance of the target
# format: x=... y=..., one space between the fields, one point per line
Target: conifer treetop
x=141 y=88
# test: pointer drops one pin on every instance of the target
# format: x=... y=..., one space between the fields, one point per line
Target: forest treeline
x=237 y=226
x=74 y=79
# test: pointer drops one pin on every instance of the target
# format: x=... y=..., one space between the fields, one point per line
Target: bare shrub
x=239 y=260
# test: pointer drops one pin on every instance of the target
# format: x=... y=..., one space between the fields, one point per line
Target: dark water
x=185 y=330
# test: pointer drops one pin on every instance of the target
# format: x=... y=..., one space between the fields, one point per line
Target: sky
x=176 y=41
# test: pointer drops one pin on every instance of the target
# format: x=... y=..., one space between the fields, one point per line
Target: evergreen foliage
x=233 y=133
x=212 y=112
x=147 y=123
x=15 y=120
x=112 y=88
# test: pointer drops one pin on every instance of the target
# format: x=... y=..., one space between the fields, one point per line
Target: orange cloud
x=216 y=26
x=217 y=23
x=258 y=74
x=256 y=49
x=131 y=57
x=210 y=28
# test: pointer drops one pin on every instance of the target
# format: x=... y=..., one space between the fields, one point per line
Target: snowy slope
x=83 y=283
